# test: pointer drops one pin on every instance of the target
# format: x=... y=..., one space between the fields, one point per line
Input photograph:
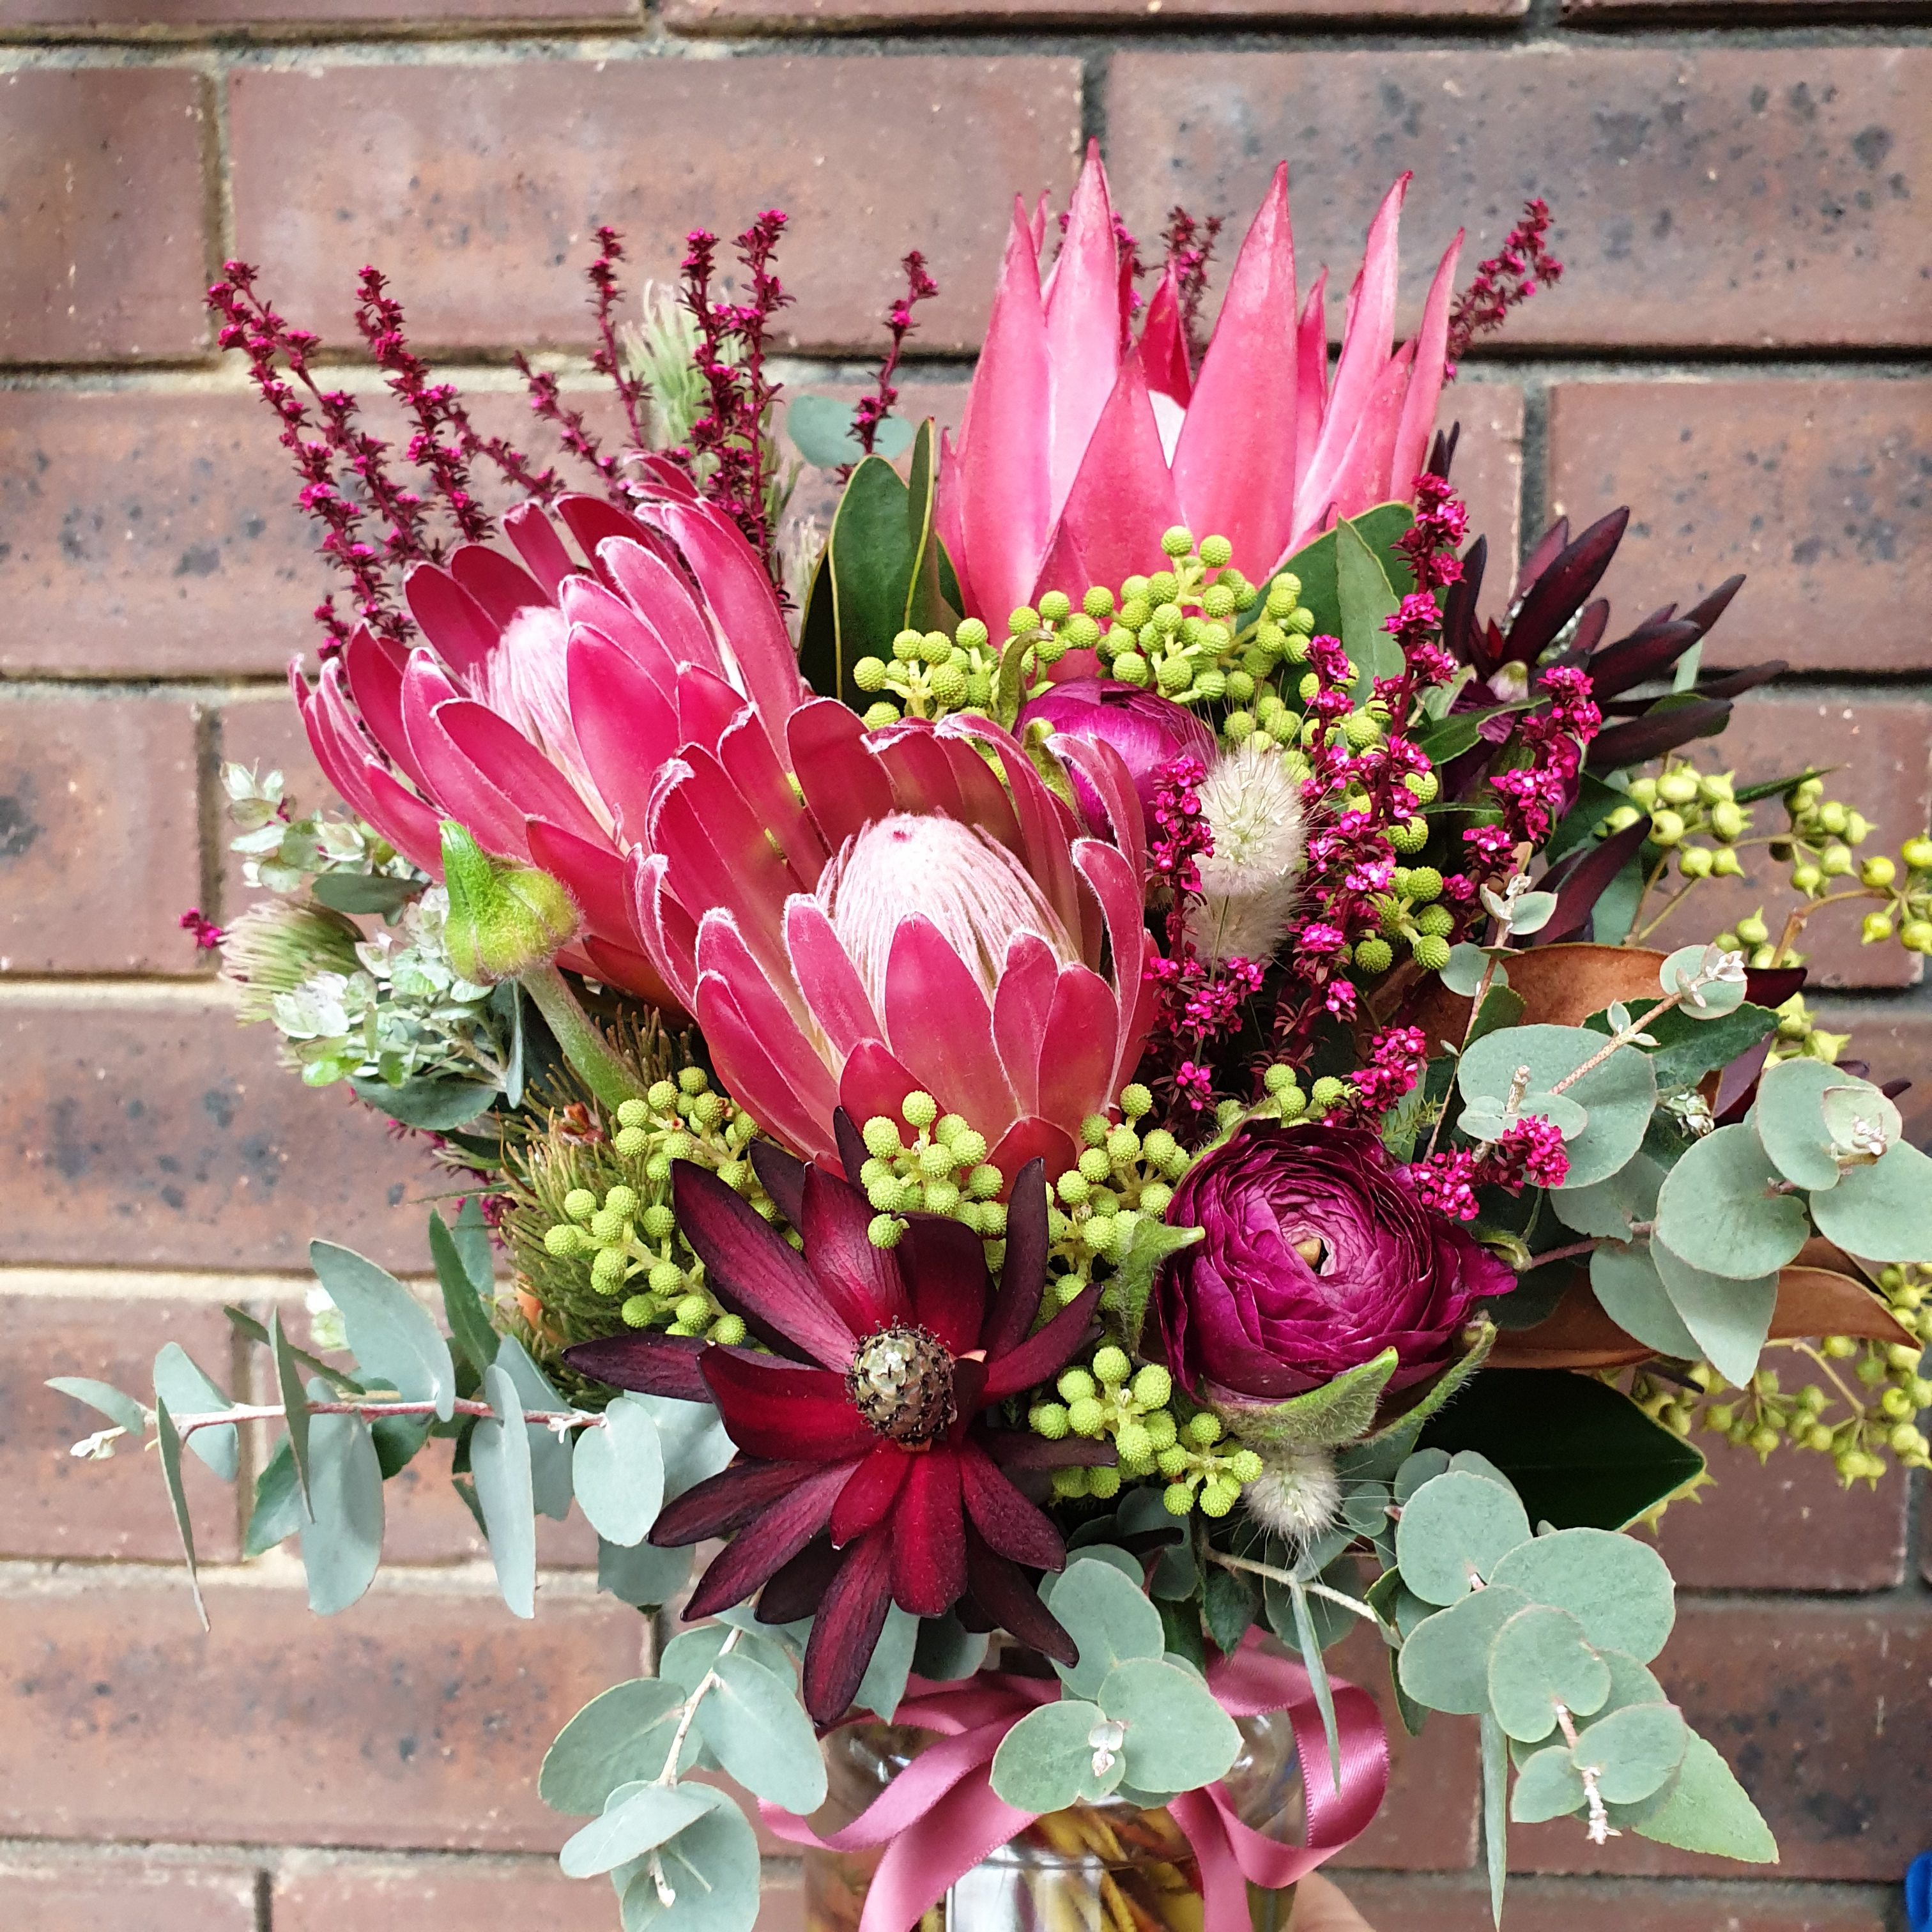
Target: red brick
x=1703 y=194
x=1392 y=1904
x=1896 y=1046
x=52 y=1504
x=1821 y=1710
x=149 y=14
x=44 y=1888
x=1786 y=1524
x=831 y=16
x=432 y=172
x=1733 y=12
x=418 y=1718
x=1880 y=747
x=97 y=808
x=148 y=1128
x=1817 y=491
x=101 y=215
x=1488 y=469
x=317 y=1892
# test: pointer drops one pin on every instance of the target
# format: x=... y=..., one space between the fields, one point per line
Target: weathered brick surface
x=1786 y=1524
x=101 y=215
x=1704 y=194
x=44 y=1888
x=417 y=1718
x=1880 y=747
x=1392 y=1904
x=124 y=14
x=1820 y=1710
x=97 y=809
x=1820 y=492
x=52 y=1504
x=829 y=17
x=148 y=1128
x=431 y=166
x=318 y=1893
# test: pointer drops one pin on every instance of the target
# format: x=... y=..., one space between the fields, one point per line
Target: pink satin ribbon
x=941 y=1817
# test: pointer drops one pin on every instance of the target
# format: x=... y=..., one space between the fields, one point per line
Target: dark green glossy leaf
x=1315 y=563
x=1367 y=602
x=364 y=892
x=928 y=607
x=434 y=1105
x=1460 y=731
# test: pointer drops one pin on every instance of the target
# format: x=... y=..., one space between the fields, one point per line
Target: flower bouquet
x=1067 y=1084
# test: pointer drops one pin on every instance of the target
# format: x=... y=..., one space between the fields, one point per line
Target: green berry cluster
x=930 y=674
x=1109 y=1400
x=1174 y=632
x=1685 y=805
x=1410 y=914
x=1283 y=1086
x=941 y=1168
x=1799 y=1035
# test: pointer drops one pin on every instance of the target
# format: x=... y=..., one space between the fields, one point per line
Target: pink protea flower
x=548 y=692
x=905 y=921
x=1079 y=446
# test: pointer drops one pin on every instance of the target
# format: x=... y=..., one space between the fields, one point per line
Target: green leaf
x=1540 y=1658
x=883 y=1684
x=295 y=1405
x=245 y=1324
x=123 y=1411
x=1720 y=1211
x=1494 y=1749
x=1610 y=1207
x=390 y=1332
x=465 y=1292
x=549 y=1459
x=1460 y=732
x=946 y=1652
x=640 y=1818
x=1579 y=1453
x=691 y=1653
x=1618 y=1096
x=1181 y=1631
x=751 y=1718
x=1178 y=1736
x=429 y=1102
x=1730 y=1319
x=1687 y=1049
x=823 y=430
x=1315 y=563
x=398 y=1440
x=644 y=1576
x=711 y=1870
x=278 y=1511
x=499 y=1458
x=1625 y=1281
x=1633 y=1750
x=342 y=1547
x=1467 y=964
x=1444 y=1662
x=1453 y=1532
x=1338 y=1412
x=1502 y=1006
x=1108 y=1616
x=168 y=1439
x=1547 y=1786
x=1618 y=1589
x=1708 y=1002
x=1367 y=601
x=1132 y=1282
x=1881 y=1213
x=869 y=557
x=1309 y=1642
x=1046 y=1761
x=1707 y=1810
x=618 y=1473
x=927 y=606
x=621 y=1736
x=1229 y=1602
x=363 y=892
x=190 y=1391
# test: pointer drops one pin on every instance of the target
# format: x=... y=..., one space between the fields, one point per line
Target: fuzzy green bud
x=504 y=920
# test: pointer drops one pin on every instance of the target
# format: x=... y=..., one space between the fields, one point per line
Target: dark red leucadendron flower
x=867 y=1472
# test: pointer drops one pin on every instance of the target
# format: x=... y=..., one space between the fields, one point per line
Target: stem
x=1281 y=1577
x=1570 y=1253
x=1601 y=1831
x=186 y=1425
x=1624 y=1039
x=1657 y=872
x=1481 y=994
x=581 y=1039
x=1794 y=922
x=1855 y=1403
x=669 y=1774
x=1669 y=906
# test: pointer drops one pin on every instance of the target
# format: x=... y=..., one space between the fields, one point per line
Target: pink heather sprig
x=1190 y=246
x=547 y=405
x=606 y=295
x=875 y=408
x=1396 y=1058
x=207 y=935
x=1512 y=274
x=1529 y=1152
x=1534 y=796
x=1444 y=1182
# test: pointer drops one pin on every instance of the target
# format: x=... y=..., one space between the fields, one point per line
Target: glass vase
x=1110 y=1867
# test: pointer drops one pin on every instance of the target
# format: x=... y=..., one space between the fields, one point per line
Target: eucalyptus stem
x=580 y=1037
x=1282 y=1576
x=550 y=1418
x=1623 y=1038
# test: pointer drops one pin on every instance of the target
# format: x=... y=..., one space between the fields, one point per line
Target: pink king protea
x=906 y=921
x=1079 y=446
x=549 y=692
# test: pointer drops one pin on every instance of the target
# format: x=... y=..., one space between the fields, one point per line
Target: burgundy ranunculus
x=1316 y=1258
x=1146 y=729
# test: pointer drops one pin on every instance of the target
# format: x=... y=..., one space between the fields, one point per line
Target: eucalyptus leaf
x=617 y=1470
x=1707 y=1810
x=1467 y=964
x=1881 y=1213
x=711 y=1869
x=1633 y=1750
x=278 y=1511
x=689 y=1655
x=883 y=1687
x=167 y=1439
x=1548 y=1786
x=946 y=1652
x=1609 y=1208
x=1618 y=1096
x=180 y=1382
x=123 y=1411
x=1631 y=1292
x=1531 y=913
x=550 y=1458
x=751 y=1718
x=1443 y=1662
x=465 y=1293
x=642 y=1574
x=243 y=1323
x=1178 y=1737
x=1730 y=1319
x=390 y=1332
x=342 y=1543
x=1045 y=1762
x=1108 y=1616
x=621 y=1736
x=500 y=1458
x=1539 y=1659
x=1711 y=1001
x=1494 y=1748
x=1687 y=1049
x=295 y=1405
x=640 y=1818
x=1720 y=1209
x=1618 y=1589
x=1453 y=1532
x=1790 y=1117
x=823 y=430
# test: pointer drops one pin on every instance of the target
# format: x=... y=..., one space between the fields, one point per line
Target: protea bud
x=504 y=920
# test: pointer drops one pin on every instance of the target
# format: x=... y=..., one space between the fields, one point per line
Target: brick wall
x=1739 y=348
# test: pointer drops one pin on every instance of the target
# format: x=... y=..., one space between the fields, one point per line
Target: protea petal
x=1426 y=375
x=929 y=1535
x=543 y=551
x=374 y=669
x=1020 y=1005
x=1311 y=358
x=872 y=1082
x=767 y=1544
x=1083 y=328
x=1368 y=328
x=1164 y=344
x=847 y=1627
x=1031 y=1138
x=624 y=729
x=1078 y=1050
x=1364 y=479
x=499 y=584
x=450 y=618
x=831 y=988
x=938 y=1023
x=793 y=1096
x=845 y=788
x=658 y=594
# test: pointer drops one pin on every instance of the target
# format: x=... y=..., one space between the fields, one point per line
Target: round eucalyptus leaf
x=640 y=1818
x=1627 y=1286
x=617 y=1470
x=1559 y=1110
x=1618 y=1589
x=1109 y=1617
x=1610 y=1207
x=1633 y=1751
x=712 y=1869
x=1444 y=1661
x=1046 y=1761
x=620 y=1737
x=691 y=1653
x=1719 y=1209
x=1540 y=1658
x=1547 y=1786
x=1422 y=1467
x=1531 y=913
x=1618 y=1096
x=752 y=1719
x=1178 y=1737
x=1790 y=1120
x=1631 y=1683
x=1710 y=1001
x=1861 y=1121
x=1881 y=1213
x=1464 y=973
x=1454 y=1531
x=1730 y=1319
